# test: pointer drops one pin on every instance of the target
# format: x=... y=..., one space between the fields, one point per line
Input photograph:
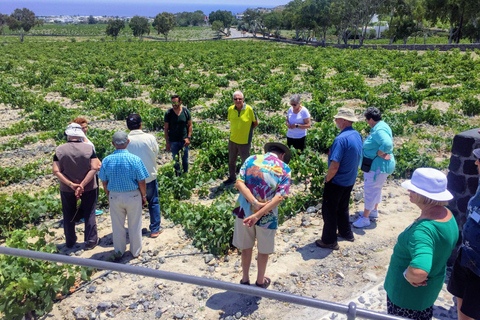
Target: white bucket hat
x=476 y=153
x=75 y=130
x=429 y=182
x=347 y=114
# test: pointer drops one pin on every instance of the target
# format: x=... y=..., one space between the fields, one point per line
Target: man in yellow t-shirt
x=243 y=120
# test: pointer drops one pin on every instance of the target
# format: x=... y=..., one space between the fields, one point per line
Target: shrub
x=470 y=106
x=28 y=287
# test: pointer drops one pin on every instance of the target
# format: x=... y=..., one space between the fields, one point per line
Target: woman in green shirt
x=417 y=267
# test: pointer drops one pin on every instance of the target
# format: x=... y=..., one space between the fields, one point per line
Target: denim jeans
x=175 y=148
x=153 y=206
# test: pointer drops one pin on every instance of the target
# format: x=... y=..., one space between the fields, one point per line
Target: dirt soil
x=298 y=266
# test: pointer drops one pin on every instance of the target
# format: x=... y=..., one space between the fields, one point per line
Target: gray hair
x=295 y=98
x=238 y=93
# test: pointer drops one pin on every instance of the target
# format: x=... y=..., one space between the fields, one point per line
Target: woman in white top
x=298 y=121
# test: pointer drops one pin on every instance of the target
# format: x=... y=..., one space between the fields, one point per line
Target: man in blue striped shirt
x=123 y=176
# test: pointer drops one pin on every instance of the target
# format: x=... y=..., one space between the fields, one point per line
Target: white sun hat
x=476 y=153
x=75 y=130
x=429 y=182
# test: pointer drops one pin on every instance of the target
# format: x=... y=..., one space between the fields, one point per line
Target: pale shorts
x=244 y=237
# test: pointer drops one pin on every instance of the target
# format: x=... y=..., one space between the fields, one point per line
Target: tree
x=273 y=20
x=342 y=14
x=254 y=19
x=114 y=26
x=221 y=15
x=139 y=26
x=23 y=20
x=291 y=16
x=164 y=23
x=219 y=28
x=3 y=21
x=91 y=20
x=472 y=30
x=455 y=12
x=315 y=15
x=187 y=19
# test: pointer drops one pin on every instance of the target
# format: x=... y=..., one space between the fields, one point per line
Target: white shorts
x=244 y=237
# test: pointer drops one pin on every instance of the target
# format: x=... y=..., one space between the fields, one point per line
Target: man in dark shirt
x=178 y=132
x=75 y=165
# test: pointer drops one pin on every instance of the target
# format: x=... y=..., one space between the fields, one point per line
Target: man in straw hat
x=343 y=161
x=123 y=176
x=75 y=163
x=263 y=183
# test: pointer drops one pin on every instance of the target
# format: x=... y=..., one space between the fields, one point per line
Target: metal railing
x=351 y=310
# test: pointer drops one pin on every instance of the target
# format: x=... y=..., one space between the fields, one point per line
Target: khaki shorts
x=244 y=237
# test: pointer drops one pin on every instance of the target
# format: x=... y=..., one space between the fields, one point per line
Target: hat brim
x=442 y=196
x=476 y=153
x=346 y=118
x=75 y=133
x=288 y=154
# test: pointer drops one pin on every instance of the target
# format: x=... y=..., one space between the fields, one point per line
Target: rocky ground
x=353 y=273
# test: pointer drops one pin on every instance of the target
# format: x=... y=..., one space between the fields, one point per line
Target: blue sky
x=130 y=8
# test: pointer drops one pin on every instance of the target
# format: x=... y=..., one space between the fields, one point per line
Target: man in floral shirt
x=263 y=183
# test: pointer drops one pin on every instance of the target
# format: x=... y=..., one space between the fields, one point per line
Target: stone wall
x=463 y=174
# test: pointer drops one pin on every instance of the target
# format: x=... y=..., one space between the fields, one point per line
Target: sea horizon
x=55 y=8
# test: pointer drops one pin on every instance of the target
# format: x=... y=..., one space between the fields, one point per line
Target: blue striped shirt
x=122 y=170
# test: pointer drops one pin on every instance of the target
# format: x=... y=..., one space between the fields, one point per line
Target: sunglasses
x=237 y=99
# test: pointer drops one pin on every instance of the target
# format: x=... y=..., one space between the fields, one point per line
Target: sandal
x=265 y=284
x=247 y=283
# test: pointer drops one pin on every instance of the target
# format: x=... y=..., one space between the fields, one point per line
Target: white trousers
x=373 y=188
x=126 y=205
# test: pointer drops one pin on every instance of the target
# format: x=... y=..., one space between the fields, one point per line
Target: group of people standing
x=129 y=178
x=417 y=268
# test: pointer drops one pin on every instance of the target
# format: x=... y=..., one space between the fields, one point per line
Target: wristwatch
x=189 y=138
x=296 y=125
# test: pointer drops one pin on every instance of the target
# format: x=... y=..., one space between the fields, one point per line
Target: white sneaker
x=361 y=222
x=373 y=213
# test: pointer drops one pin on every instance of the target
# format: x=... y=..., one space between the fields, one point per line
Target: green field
x=426 y=97
x=95 y=31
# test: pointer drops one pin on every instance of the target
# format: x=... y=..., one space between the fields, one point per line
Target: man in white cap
x=123 y=176
x=344 y=159
x=74 y=164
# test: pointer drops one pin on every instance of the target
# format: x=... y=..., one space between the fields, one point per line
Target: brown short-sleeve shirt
x=74 y=163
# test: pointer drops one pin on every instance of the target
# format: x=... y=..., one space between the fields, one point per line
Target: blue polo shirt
x=346 y=150
x=122 y=170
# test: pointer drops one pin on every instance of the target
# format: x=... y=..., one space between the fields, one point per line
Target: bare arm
x=255 y=124
x=165 y=131
x=269 y=206
x=263 y=208
x=189 y=132
x=384 y=155
x=105 y=187
x=307 y=124
x=93 y=162
x=416 y=277
x=142 y=186
x=332 y=170
x=97 y=165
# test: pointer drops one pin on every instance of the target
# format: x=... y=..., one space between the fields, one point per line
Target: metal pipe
x=250 y=290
